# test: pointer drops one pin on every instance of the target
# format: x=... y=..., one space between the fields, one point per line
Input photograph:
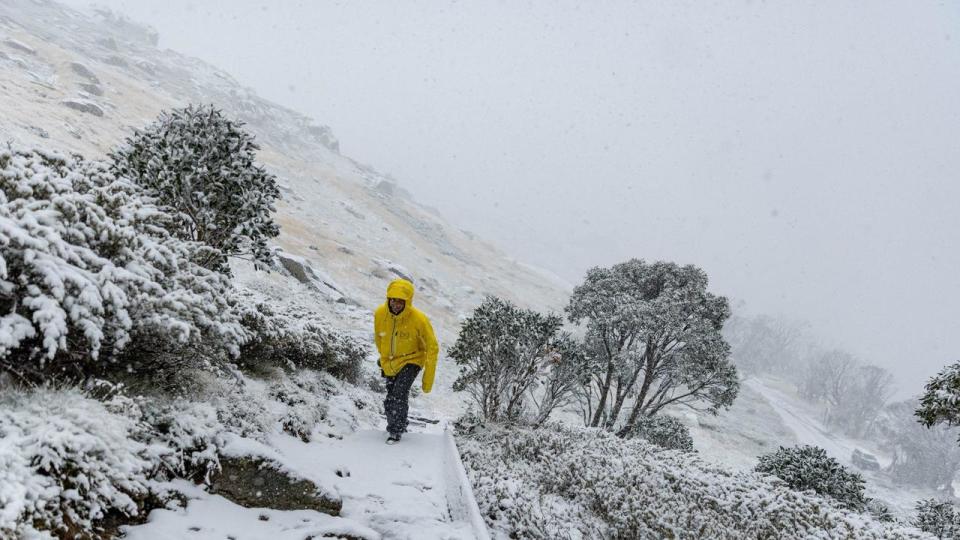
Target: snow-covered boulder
x=83 y=105
x=305 y=273
x=85 y=72
x=19 y=46
x=255 y=482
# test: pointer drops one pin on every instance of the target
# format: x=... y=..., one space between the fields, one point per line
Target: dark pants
x=398 y=390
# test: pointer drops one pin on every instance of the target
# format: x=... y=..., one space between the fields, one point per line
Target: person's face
x=396 y=305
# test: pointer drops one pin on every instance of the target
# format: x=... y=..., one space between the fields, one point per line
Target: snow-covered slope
x=78 y=82
x=81 y=82
x=769 y=414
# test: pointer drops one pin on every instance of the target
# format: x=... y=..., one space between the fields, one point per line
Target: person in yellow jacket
x=407 y=344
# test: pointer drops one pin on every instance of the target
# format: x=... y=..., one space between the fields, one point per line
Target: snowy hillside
x=78 y=82
x=768 y=414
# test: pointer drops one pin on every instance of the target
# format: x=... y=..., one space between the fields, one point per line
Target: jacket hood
x=401 y=288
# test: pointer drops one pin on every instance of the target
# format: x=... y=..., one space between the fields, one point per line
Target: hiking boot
x=394 y=438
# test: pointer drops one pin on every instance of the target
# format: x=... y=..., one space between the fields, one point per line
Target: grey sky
x=805 y=154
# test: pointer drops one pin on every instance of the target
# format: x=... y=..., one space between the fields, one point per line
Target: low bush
x=663 y=431
x=296 y=338
x=565 y=482
x=66 y=462
x=938 y=518
x=810 y=468
x=87 y=268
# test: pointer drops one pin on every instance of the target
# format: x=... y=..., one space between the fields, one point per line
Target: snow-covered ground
x=404 y=491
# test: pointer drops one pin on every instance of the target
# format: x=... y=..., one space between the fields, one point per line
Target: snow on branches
x=87 y=264
x=569 y=482
x=201 y=166
x=810 y=468
x=656 y=335
x=516 y=362
x=941 y=399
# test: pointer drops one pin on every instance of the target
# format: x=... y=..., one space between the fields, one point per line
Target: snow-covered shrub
x=810 y=468
x=564 y=481
x=87 y=268
x=297 y=338
x=306 y=396
x=201 y=165
x=515 y=361
x=664 y=431
x=66 y=463
x=940 y=402
x=183 y=436
x=938 y=518
x=879 y=511
x=242 y=409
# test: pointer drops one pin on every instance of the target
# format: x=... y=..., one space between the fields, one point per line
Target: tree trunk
x=649 y=366
x=604 y=390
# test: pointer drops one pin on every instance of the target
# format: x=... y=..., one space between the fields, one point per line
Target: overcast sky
x=805 y=154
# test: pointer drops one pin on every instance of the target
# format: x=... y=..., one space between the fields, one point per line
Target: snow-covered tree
x=938 y=518
x=202 y=166
x=921 y=457
x=810 y=468
x=853 y=394
x=855 y=410
x=663 y=431
x=514 y=359
x=87 y=268
x=565 y=372
x=653 y=332
x=940 y=403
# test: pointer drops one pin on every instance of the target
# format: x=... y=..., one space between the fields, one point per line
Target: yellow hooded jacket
x=406 y=338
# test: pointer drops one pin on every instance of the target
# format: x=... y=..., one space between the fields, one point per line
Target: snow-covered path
x=399 y=490
x=807 y=428
x=406 y=491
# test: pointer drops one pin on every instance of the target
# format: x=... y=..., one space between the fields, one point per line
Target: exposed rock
x=84 y=72
x=40 y=132
x=20 y=46
x=108 y=43
x=864 y=460
x=92 y=88
x=352 y=211
x=73 y=131
x=400 y=271
x=299 y=268
x=83 y=105
x=254 y=482
x=386 y=187
x=430 y=284
x=345 y=250
x=147 y=67
x=323 y=135
x=115 y=60
x=379 y=272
